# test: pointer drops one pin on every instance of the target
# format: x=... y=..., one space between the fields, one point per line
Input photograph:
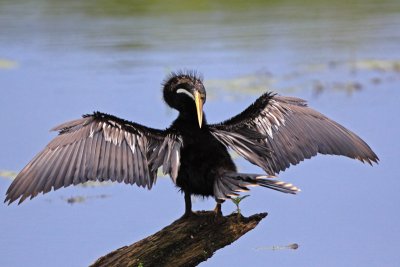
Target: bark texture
x=185 y=242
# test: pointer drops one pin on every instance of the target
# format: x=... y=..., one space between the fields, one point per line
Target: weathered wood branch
x=186 y=242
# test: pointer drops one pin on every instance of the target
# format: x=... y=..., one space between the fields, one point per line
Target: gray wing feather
x=98 y=147
x=285 y=132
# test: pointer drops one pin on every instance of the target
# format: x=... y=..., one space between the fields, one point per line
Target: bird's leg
x=188 y=205
x=217 y=210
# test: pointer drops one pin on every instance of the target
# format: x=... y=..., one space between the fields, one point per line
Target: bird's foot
x=189 y=214
x=218 y=210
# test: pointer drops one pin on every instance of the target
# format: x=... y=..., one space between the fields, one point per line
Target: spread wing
x=275 y=132
x=98 y=147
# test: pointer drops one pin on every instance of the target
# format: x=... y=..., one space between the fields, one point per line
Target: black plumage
x=272 y=133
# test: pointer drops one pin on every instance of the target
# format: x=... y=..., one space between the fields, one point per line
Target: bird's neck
x=191 y=119
x=188 y=119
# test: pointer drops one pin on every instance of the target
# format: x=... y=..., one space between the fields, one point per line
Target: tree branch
x=185 y=242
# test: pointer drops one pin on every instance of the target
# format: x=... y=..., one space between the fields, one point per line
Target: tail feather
x=231 y=183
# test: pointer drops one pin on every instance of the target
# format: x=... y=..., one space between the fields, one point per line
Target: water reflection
x=140 y=34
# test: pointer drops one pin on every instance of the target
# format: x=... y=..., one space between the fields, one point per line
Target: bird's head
x=185 y=92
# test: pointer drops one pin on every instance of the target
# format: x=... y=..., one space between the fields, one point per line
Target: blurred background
x=61 y=59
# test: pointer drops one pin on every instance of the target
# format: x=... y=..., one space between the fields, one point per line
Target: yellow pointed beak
x=199 y=107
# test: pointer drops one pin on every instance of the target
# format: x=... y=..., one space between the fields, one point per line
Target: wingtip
x=371 y=160
x=376 y=160
x=11 y=198
x=8 y=200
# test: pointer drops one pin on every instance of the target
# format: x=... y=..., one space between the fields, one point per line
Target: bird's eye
x=184 y=91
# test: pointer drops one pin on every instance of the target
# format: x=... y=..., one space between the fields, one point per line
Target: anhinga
x=272 y=133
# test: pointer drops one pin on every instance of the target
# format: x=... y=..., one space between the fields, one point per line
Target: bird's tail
x=231 y=183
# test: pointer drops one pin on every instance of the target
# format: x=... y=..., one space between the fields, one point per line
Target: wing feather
x=124 y=161
x=98 y=147
x=276 y=132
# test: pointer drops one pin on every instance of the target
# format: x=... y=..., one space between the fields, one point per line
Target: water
x=59 y=60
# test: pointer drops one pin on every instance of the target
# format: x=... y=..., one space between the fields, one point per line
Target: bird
x=272 y=133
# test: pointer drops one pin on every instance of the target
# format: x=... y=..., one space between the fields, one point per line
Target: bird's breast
x=203 y=159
